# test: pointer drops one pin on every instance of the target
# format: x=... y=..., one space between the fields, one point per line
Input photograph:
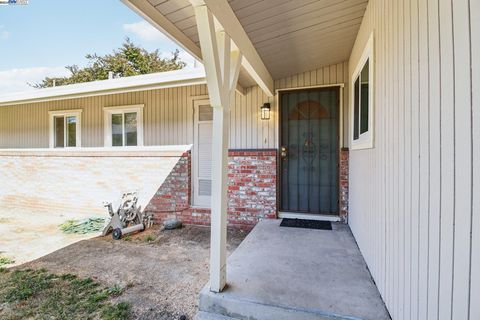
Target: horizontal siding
x=414 y=206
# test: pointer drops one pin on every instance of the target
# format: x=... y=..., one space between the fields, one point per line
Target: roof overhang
x=278 y=38
x=151 y=81
x=253 y=70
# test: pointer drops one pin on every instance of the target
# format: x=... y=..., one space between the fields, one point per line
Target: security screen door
x=309 y=150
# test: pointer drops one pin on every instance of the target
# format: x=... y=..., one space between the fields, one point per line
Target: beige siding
x=168 y=114
x=168 y=118
x=414 y=206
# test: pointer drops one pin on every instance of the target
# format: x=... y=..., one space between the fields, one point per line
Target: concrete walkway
x=290 y=273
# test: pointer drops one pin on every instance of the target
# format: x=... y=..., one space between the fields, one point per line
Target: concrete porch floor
x=290 y=273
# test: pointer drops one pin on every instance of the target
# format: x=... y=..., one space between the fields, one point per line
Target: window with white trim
x=124 y=126
x=362 y=100
x=65 y=129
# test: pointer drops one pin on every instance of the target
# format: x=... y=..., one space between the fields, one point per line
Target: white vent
x=205 y=113
x=204 y=187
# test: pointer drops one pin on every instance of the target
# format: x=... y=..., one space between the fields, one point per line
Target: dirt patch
x=162 y=271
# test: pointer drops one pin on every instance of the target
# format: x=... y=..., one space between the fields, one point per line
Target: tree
x=128 y=60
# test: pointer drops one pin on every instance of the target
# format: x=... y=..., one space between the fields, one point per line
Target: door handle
x=283 y=152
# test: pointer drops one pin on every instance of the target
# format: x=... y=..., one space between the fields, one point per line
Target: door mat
x=306 y=224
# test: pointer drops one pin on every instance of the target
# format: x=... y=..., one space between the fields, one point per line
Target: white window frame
x=366 y=139
x=109 y=111
x=65 y=113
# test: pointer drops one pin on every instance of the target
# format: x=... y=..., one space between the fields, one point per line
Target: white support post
x=222 y=67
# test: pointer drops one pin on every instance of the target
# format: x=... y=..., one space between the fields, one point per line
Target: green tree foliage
x=128 y=60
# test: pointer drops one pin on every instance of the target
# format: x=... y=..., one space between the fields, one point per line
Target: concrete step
x=201 y=315
x=230 y=307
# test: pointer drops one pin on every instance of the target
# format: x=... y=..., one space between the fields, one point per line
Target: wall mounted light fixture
x=265 y=111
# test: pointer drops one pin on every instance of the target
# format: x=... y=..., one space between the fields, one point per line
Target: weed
x=5 y=261
x=116 y=290
x=149 y=238
x=119 y=311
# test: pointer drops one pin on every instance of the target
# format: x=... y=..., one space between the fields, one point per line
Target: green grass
x=5 y=261
x=37 y=294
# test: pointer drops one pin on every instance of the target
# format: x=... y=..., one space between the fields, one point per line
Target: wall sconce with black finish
x=265 y=111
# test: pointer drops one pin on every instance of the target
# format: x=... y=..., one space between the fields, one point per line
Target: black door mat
x=306 y=224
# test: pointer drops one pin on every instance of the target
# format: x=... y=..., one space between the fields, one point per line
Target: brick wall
x=251 y=191
x=77 y=182
x=344 y=158
x=173 y=196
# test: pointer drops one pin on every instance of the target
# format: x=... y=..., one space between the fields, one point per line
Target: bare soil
x=162 y=271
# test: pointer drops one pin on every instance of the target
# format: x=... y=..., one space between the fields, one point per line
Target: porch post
x=222 y=66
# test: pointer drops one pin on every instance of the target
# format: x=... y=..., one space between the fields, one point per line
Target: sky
x=41 y=38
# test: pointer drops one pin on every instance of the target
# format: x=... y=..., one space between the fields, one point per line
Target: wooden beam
x=251 y=62
x=159 y=21
x=222 y=67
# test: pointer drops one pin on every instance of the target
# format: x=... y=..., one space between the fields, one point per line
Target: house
x=358 y=111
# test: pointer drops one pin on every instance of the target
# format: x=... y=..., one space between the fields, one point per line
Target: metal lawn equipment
x=128 y=218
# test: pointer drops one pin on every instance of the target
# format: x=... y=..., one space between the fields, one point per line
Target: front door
x=309 y=150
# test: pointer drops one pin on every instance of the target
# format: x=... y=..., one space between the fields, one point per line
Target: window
x=362 y=100
x=124 y=126
x=65 y=129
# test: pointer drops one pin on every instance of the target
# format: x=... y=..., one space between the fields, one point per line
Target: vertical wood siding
x=415 y=197
x=168 y=118
x=168 y=114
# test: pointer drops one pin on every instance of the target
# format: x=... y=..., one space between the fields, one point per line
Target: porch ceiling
x=290 y=36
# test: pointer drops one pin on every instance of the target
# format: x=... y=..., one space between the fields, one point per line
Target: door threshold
x=309 y=216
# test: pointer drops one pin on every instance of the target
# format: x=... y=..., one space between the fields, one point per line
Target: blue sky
x=42 y=37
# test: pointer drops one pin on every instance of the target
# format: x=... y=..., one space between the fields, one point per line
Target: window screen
x=71 y=131
x=117 y=130
x=361 y=102
x=364 y=92
x=59 y=132
x=131 y=129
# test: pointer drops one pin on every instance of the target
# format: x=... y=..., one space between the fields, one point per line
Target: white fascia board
x=151 y=81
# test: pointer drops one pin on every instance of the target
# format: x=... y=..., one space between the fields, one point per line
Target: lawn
x=38 y=294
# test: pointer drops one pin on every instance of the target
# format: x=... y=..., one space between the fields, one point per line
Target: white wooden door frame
x=198 y=200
